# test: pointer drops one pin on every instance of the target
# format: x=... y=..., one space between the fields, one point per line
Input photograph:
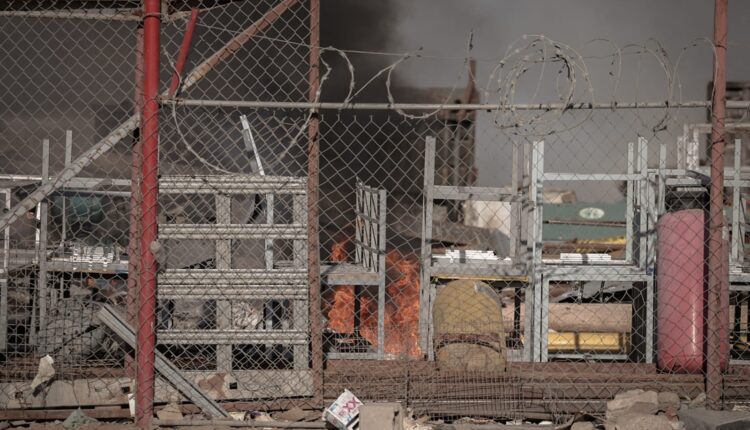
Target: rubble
x=699 y=418
x=632 y=402
x=45 y=373
x=583 y=425
x=297 y=414
x=638 y=421
x=238 y=415
x=414 y=423
x=668 y=401
x=698 y=402
x=385 y=416
x=78 y=418
x=647 y=410
x=169 y=412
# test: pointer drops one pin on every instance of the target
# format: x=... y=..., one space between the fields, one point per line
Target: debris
x=385 y=416
x=632 y=402
x=78 y=418
x=43 y=375
x=18 y=423
x=583 y=425
x=238 y=415
x=170 y=412
x=638 y=421
x=297 y=414
x=112 y=319
x=261 y=417
x=668 y=401
x=700 y=418
x=698 y=402
x=157 y=249
x=344 y=412
x=412 y=423
x=78 y=291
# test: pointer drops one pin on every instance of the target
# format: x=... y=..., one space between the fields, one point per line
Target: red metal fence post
x=313 y=241
x=149 y=191
x=182 y=56
x=717 y=274
x=134 y=233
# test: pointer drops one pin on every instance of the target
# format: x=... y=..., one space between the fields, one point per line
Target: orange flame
x=341 y=314
x=402 y=306
x=402 y=319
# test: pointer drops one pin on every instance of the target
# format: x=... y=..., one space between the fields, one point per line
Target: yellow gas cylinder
x=468 y=326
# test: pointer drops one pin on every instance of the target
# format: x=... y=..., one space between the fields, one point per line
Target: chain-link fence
x=271 y=238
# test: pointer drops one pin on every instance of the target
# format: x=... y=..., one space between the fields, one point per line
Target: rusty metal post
x=182 y=56
x=134 y=232
x=717 y=273
x=313 y=241
x=148 y=210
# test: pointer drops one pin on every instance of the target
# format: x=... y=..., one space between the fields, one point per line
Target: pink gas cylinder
x=681 y=280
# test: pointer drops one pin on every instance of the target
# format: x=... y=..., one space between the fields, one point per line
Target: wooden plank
x=584 y=317
x=61 y=414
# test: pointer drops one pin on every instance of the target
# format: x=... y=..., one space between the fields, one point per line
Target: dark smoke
x=357 y=25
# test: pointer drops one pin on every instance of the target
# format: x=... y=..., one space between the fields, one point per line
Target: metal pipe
x=77 y=182
x=145 y=350
x=313 y=241
x=238 y=41
x=106 y=15
x=717 y=273
x=449 y=106
x=182 y=56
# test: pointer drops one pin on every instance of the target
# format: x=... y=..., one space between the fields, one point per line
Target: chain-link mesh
x=487 y=259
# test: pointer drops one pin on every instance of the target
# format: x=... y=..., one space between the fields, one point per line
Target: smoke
x=361 y=26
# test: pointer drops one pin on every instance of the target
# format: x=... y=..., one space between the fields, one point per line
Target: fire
x=402 y=316
x=402 y=306
x=341 y=313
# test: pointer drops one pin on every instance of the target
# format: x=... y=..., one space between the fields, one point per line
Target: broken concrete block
x=700 y=419
x=262 y=417
x=636 y=421
x=77 y=418
x=668 y=401
x=45 y=373
x=583 y=425
x=169 y=412
x=698 y=402
x=296 y=414
x=633 y=402
x=677 y=425
x=381 y=416
x=238 y=415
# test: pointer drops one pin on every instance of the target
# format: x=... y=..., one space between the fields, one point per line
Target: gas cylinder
x=680 y=293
